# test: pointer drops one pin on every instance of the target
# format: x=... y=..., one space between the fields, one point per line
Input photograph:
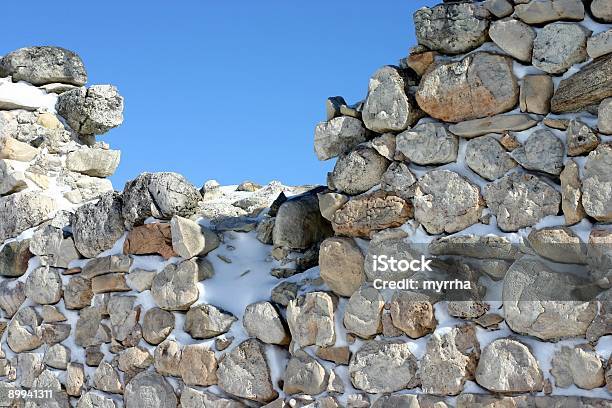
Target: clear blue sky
x=229 y=90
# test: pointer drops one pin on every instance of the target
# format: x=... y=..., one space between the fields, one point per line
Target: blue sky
x=229 y=90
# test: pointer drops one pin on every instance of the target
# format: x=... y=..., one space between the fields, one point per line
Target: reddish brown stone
x=150 y=239
x=111 y=282
x=420 y=62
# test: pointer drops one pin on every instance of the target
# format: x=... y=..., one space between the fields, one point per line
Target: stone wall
x=486 y=153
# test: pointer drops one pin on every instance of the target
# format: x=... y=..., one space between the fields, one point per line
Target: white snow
x=26 y=95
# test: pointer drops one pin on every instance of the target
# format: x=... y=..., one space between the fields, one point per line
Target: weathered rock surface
x=581 y=139
x=148 y=239
x=206 y=321
x=578 y=365
x=98 y=225
x=383 y=366
x=299 y=223
x=479 y=85
x=542 y=151
x=543 y=11
x=571 y=195
x=187 y=238
x=362 y=315
x=493 y=124
x=244 y=372
x=428 y=143
x=514 y=37
x=150 y=390
x=589 y=86
x=14 y=258
x=390 y=106
x=311 y=320
x=600 y=44
x=44 y=65
x=52 y=247
x=24 y=210
x=198 y=365
x=341 y=265
x=44 y=285
x=508 y=366
x=444 y=201
x=542 y=303
x=559 y=244
x=366 y=214
x=175 y=287
x=91 y=111
x=168 y=358
x=192 y=398
x=413 y=314
x=358 y=171
x=597 y=184
x=520 y=200
x=157 y=325
x=604 y=116
x=452 y=28
x=262 y=321
x=558 y=46
x=398 y=180
x=535 y=95
x=602 y=10
x=93 y=162
x=487 y=157
x=304 y=374
x=338 y=136
x=450 y=360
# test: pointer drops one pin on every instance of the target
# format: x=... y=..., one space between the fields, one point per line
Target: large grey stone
x=207 y=321
x=44 y=285
x=244 y=372
x=428 y=143
x=480 y=85
x=508 y=366
x=359 y=171
x=444 y=201
x=602 y=10
x=151 y=390
x=338 y=136
x=98 y=225
x=176 y=286
x=362 y=315
x=198 y=365
x=452 y=28
x=597 y=184
x=543 y=303
x=304 y=374
x=398 y=180
x=262 y=321
x=521 y=200
x=600 y=44
x=486 y=156
x=91 y=111
x=52 y=247
x=542 y=151
x=299 y=223
x=157 y=324
x=558 y=46
x=24 y=210
x=578 y=365
x=389 y=107
x=44 y=65
x=383 y=366
x=559 y=244
x=514 y=37
x=93 y=162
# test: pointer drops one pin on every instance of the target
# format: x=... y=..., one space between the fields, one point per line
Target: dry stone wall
x=484 y=157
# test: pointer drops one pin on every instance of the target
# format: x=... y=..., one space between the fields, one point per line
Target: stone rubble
x=486 y=149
